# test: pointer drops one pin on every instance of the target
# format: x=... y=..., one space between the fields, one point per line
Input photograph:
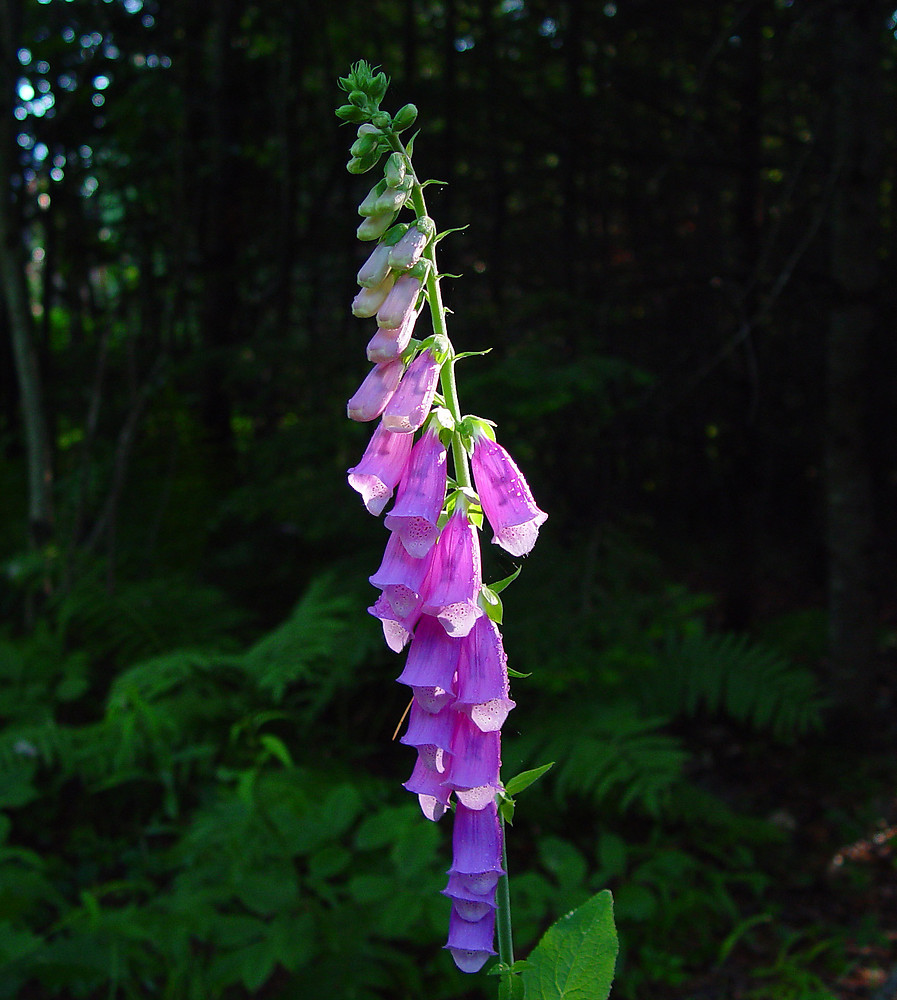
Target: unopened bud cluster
x=432 y=597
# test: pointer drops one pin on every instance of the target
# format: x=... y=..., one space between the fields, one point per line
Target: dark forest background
x=681 y=250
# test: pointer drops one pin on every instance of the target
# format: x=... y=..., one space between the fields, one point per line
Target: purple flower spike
x=420 y=496
x=476 y=842
x=432 y=658
x=401 y=576
x=455 y=577
x=375 y=392
x=400 y=301
x=381 y=467
x=388 y=344
x=506 y=498
x=410 y=404
x=482 y=690
x=470 y=942
x=476 y=756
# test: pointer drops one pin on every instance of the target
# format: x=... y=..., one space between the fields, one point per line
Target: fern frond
x=611 y=753
x=726 y=673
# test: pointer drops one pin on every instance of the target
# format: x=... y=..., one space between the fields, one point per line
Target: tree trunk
x=18 y=314
x=854 y=242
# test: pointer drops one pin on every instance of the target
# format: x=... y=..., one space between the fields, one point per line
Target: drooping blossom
x=400 y=301
x=375 y=392
x=431 y=665
x=375 y=269
x=455 y=579
x=476 y=866
x=409 y=249
x=390 y=343
x=506 y=498
x=370 y=299
x=401 y=576
x=397 y=629
x=380 y=469
x=410 y=404
x=420 y=496
x=482 y=688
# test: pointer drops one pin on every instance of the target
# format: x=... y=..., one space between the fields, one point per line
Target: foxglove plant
x=432 y=598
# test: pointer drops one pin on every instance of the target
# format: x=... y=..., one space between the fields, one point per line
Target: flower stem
x=437 y=314
x=503 y=912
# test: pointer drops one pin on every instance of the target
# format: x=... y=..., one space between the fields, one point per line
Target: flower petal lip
x=375 y=392
x=506 y=498
x=380 y=469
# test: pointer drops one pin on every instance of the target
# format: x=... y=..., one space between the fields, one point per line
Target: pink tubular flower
x=371 y=298
x=408 y=251
x=381 y=467
x=482 y=687
x=431 y=664
x=375 y=269
x=455 y=578
x=476 y=866
x=420 y=496
x=401 y=577
x=400 y=301
x=375 y=392
x=410 y=404
x=397 y=629
x=390 y=343
x=505 y=497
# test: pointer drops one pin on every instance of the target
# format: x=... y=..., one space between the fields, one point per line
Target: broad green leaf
x=576 y=956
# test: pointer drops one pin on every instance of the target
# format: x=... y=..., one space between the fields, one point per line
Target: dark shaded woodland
x=680 y=248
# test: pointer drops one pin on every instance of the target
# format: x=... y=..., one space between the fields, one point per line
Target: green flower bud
x=349 y=113
x=364 y=144
x=359 y=98
x=381 y=119
x=391 y=200
x=362 y=164
x=395 y=170
x=405 y=117
x=369 y=206
x=377 y=87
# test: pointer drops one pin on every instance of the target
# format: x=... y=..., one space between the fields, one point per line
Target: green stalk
x=437 y=315
x=503 y=902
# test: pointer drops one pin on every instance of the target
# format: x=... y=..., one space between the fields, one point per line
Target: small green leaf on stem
x=526 y=778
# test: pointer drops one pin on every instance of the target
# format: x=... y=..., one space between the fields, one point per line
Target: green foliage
x=733 y=675
x=575 y=958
